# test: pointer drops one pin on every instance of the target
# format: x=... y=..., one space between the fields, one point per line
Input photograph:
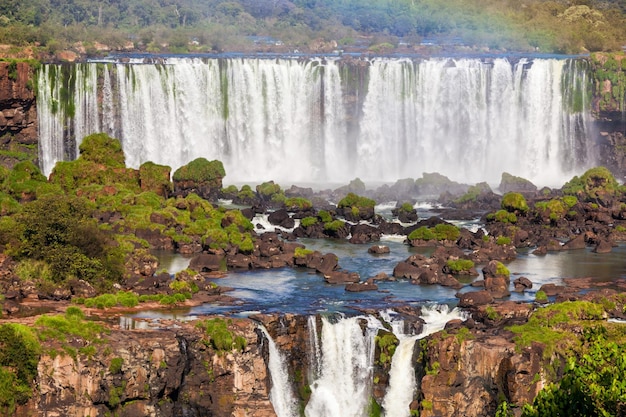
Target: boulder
x=361 y=286
x=475 y=298
x=341 y=277
x=378 y=249
x=522 y=284
x=207 y=262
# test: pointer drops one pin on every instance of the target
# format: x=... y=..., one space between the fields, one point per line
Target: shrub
x=116 y=365
x=325 y=216
x=501 y=269
x=268 y=189
x=308 y=221
x=459 y=265
x=334 y=225
x=19 y=357
x=353 y=200
x=200 y=170
x=422 y=233
x=503 y=240
x=302 y=252
x=219 y=337
x=514 y=202
x=102 y=149
x=442 y=231
x=297 y=203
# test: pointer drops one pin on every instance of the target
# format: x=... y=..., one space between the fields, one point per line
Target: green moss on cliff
x=200 y=170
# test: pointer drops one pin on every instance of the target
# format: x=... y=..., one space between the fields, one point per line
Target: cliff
x=18 y=113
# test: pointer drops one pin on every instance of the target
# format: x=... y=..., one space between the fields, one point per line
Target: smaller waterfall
x=402 y=381
x=281 y=394
x=344 y=386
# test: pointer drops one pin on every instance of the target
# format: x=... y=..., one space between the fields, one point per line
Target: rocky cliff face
x=18 y=113
x=161 y=372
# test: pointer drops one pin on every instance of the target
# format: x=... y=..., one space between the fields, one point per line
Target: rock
x=522 y=284
x=207 y=262
x=281 y=218
x=511 y=183
x=406 y=270
x=475 y=298
x=364 y=233
x=603 y=246
x=378 y=249
x=238 y=261
x=498 y=286
x=577 y=242
x=342 y=277
x=361 y=286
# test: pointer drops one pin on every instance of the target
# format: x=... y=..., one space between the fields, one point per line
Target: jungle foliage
x=216 y=25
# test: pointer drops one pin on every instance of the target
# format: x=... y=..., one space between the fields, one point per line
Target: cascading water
x=341 y=365
x=402 y=381
x=281 y=395
x=322 y=120
x=347 y=355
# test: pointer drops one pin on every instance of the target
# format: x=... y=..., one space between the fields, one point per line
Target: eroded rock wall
x=18 y=113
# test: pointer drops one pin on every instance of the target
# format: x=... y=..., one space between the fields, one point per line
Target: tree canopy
x=216 y=25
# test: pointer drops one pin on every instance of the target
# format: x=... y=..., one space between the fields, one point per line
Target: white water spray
x=402 y=383
x=347 y=353
x=281 y=394
x=293 y=121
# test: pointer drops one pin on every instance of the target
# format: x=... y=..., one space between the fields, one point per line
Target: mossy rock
x=596 y=183
x=154 y=177
x=200 y=176
x=23 y=181
x=511 y=183
x=103 y=149
x=514 y=203
x=71 y=175
x=267 y=190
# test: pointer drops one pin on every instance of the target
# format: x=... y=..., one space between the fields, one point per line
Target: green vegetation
x=200 y=170
x=514 y=203
x=592 y=383
x=594 y=183
x=460 y=265
x=501 y=269
x=334 y=225
x=503 y=240
x=297 y=203
x=19 y=356
x=473 y=192
x=502 y=216
x=387 y=343
x=551 y=326
x=61 y=232
x=116 y=365
x=308 y=221
x=219 y=337
x=302 y=252
x=215 y=25
x=353 y=200
x=541 y=296
x=442 y=231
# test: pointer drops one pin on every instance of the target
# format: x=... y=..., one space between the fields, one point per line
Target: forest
x=180 y=26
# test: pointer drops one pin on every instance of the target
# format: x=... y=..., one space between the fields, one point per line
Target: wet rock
x=378 y=249
x=341 y=277
x=364 y=233
x=522 y=284
x=577 y=242
x=207 y=262
x=361 y=286
x=475 y=298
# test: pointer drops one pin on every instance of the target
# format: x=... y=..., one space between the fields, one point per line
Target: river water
x=298 y=290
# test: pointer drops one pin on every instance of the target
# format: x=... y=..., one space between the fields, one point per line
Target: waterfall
x=322 y=120
x=347 y=353
x=281 y=394
x=402 y=381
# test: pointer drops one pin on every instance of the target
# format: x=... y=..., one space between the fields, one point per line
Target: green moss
x=19 y=357
x=501 y=269
x=387 y=343
x=200 y=170
x=156 y=178
x=441 y=231
x=352 y=200
x=514 y=202
x=302 y=252
x=551 y=325
x=503 y=240
x=308 y=221
x=460 y=265
x=541 y=296
x=268 y=189
x=219 y=337
x=25 y=178
x=325 y=216
x=334 y=225
x=116 y=365
x=297 y=203
x=102 y=149
x=594 y=183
